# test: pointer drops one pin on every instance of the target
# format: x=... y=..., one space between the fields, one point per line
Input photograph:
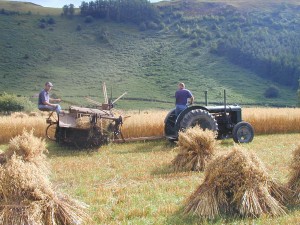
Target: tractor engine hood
x=221 y=108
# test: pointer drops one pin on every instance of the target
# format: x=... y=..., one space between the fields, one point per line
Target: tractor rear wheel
x=201 y=118
x=243 y=132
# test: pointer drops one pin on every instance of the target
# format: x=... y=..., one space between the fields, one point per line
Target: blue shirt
x=182 y=95
x=43 y=97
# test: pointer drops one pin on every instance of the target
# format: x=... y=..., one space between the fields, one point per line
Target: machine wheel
x=51 y=131
x=201 y=118
x=243 y=132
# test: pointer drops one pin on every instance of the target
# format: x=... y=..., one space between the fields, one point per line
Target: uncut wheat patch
x=294 y=181
x=196 y=147
x=11 y=127
x=26 y=193
x=144 y=124
x=237 y=183
x=19 y=115
x=273 y=120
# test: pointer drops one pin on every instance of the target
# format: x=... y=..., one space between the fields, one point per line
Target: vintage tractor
x=225 y=119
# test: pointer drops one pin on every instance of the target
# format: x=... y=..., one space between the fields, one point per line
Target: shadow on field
x=66 y=151
x=227 y=143
x=179 y=217
x=143 y=147
x=163 y=170
x=167 y=171
x=293 y=208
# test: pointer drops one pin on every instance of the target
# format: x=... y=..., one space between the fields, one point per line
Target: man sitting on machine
x=44 y=100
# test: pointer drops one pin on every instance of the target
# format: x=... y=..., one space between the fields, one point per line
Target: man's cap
x=49 y=84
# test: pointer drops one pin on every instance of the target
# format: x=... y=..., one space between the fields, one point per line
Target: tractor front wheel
x=199 y=117
x=243 y=132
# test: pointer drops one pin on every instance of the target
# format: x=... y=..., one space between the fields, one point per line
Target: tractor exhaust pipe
x=225 y=101
x=206 y=101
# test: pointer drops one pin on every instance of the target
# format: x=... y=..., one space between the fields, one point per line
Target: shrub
x=200 y=42
x=177 y=15
x=12 y=103
x=214 y=48
x=299 y=93
x=194 y=44
x=104 y=35
x=142 y=27
x=88 y=19
x=78 y=28
x=51 y=21
x=218 y=34
x=208 y=37
x=272 y=92
x=196 y=53
x=42 y=25
x=152 y=25
x=162 y=25
x=194 y=35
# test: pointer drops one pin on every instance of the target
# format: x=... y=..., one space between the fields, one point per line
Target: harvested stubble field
x=133 y=183
x=151 y=123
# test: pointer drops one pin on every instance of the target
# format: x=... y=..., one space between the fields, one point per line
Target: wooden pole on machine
x=105 y=93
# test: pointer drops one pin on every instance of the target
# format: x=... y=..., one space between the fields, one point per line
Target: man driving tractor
x=182 y=95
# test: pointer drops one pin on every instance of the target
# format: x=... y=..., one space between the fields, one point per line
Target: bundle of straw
x=237 y=183
x=30 y=149
x=294 y=181
x=26 y=193
x=83 y=122
x=196 y=147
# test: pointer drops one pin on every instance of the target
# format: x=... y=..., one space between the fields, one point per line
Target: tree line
x=136 y=11
x=268 y=43
x=272 y=56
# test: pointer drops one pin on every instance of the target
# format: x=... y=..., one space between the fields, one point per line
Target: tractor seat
x=45 y=110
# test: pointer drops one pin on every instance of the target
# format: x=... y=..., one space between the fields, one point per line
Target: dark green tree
x=136 y=11
x=71 y=10
x=65 y=10
x=299 y=93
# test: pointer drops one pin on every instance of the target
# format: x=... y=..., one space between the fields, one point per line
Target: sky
x=61 y=3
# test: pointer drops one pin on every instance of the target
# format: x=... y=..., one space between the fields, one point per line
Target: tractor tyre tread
x=195 y=114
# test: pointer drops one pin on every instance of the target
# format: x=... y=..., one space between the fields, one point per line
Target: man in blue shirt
x=182 y=95
x=44 y=100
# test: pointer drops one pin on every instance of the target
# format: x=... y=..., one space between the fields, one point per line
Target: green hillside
x=147 y=64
